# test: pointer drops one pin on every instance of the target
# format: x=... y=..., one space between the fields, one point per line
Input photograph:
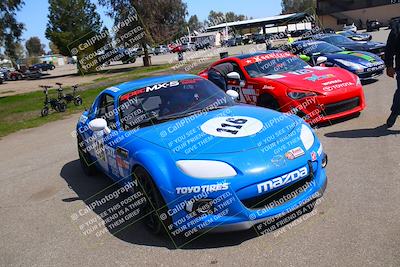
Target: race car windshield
x=171 y=100
x=275 y=66
x=319 y=48
x=338 y=40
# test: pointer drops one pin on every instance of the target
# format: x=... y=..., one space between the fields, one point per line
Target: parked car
x=33 y=72
x=203 y=45
x=373 y=25
x=351 y=27
x=14 y=76
x=161 y=49
x=188 y=47
x=45 y=66
x=363 y=64
x=176 y=48
x=281 y=81
x=259 y=38
x=1 y=77
x=140 y=51
x=350 y=45
x=235 y=41
x=225 y=179
x=358 y=37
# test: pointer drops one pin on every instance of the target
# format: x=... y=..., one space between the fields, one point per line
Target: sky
x=34 y=12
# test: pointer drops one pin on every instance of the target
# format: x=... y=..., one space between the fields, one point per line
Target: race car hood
x=234 y=129
x=363 y=58
x=312 y=79
x=362 y=46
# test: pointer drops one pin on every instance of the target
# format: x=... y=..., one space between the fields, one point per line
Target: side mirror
x=305 y=58
x=321 y=60
x=233 y=94
x=98 y=125
x=233 y=76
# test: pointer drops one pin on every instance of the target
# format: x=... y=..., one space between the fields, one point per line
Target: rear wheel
x=155 y=203
x=62 y=107
x=268 y=101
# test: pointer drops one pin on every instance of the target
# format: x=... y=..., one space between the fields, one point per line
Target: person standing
x=219 y=74
x=392 y=56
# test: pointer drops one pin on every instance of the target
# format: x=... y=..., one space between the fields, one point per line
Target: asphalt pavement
x=355 y=224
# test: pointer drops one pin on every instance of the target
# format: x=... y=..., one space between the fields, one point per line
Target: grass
x=22 y=111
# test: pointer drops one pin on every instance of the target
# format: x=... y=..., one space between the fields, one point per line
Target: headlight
x=297 y=95
x=206 y=168
x=355 y=66
x=358 y=83
x=307 y=136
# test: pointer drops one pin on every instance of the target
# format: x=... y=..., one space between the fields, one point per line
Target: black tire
x=61 y=107
x=44 y=112
x=14 y=78
x=155 y=203
x=78 y=101
x=268 y=101
x=88 y=166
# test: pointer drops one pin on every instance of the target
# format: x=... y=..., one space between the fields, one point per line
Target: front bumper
x=321 y=109
x=232 y=212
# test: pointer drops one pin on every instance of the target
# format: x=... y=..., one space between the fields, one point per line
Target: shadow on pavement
x=96 y=188
x=364 y=133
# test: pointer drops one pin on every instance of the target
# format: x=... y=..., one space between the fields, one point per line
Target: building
x=275 y=24
x=337 y=13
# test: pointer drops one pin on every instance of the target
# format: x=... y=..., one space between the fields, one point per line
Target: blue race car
x=350 y=45
x=203 y=161
x=364 y=64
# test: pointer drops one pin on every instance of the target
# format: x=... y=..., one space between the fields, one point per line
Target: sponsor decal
x=282 y=180
x=83 y=119
x=315 y=77
x=149 y=89
x=113 y=89
x=202 y=188
x=268 y=87
x=301 y=72
x=337 y=86
x=294 y=153
x=278 y=161
x=332 y=82
x=251 y=60
x=313 y=156
x=232 y=127
x=122 y=160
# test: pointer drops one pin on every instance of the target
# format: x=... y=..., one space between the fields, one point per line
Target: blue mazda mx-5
x=203 y=161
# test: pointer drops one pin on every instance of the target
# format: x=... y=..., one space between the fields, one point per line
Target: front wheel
x=268 y=101
x=88 y=166
x=44 y=112
x=78 y=101
x=155 y=204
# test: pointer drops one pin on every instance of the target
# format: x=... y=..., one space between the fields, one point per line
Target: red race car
x=281 y=81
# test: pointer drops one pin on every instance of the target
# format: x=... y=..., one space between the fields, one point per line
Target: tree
x=19 y=51
x=296 y=6
x=10 y=28
x=53 y=48
x=194 y=23
x=162 y=20
x=75 y=28
x=215 y=18
x=34 y=46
